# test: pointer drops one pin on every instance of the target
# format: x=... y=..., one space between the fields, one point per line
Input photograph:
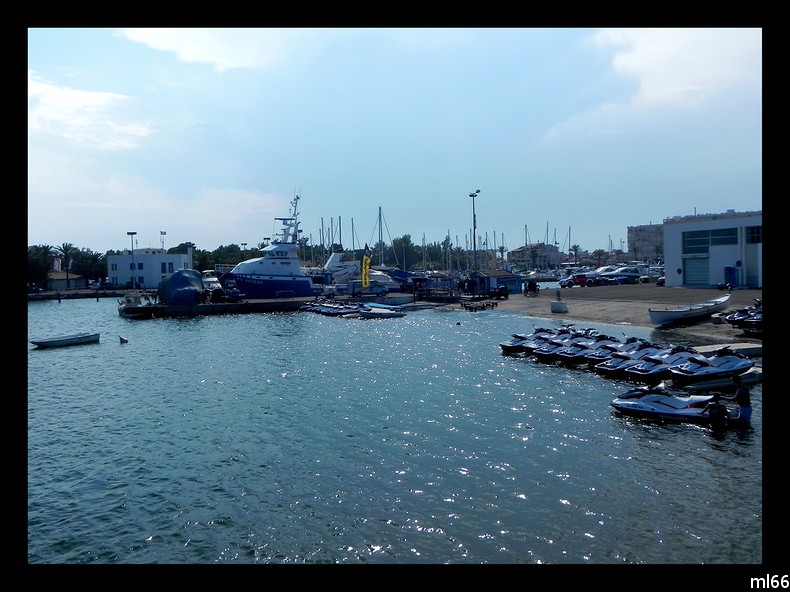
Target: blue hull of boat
x=254 y=287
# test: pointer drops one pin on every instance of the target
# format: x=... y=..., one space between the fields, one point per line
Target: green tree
x=404 y=251
x=182 y=249
x=600 y=256
x=66 y=250
x=38 y=264
x=89 y=264
x=533 y=257
x=575 y=250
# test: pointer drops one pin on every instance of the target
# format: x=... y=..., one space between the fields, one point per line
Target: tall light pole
x=474 y=231
x=131 y=239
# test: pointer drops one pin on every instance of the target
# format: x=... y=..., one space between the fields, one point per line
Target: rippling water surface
x=298 y=438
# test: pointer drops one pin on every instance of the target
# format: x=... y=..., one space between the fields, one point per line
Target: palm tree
x=575 y=250
x=66 y=250
x=38 y=257
x=599 y=255
x=501 y=250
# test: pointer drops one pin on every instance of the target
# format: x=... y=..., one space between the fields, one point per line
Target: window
x=724 y=236
x=698 y=242
x=754 y=235
x=170 y=267
x=164 y=267
x=695 y=242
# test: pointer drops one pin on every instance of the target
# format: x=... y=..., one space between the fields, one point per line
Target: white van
x=374 y=287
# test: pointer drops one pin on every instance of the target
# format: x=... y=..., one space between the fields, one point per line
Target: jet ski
x=604 y=351
x=654 y=368
x=549 y=351
x=577 y=353
x=664 y=404
x=724 y=363
x=617 y=364
x=523 y=343
x=742 y=314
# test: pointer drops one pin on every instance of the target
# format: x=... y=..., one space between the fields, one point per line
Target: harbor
x=301 y=438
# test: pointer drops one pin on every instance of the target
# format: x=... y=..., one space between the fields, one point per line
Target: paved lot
x=630 y=304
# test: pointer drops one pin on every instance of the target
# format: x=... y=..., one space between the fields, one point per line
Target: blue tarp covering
x=184 y=287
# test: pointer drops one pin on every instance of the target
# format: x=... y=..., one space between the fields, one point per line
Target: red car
x=579 y=279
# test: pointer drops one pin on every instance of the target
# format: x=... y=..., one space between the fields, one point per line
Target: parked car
x=375 y=287
x=624 y=275
x=587 y=279
x=499 y=292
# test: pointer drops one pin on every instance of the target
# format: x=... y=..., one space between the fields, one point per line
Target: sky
x=206 y=135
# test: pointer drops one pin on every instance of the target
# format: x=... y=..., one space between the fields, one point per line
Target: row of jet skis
x=749 y=319
x=649 y=365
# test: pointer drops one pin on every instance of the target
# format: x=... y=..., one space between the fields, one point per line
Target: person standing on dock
x=743 y=400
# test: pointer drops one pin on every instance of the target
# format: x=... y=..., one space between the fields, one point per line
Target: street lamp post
x=131 y=239
x=474 y=231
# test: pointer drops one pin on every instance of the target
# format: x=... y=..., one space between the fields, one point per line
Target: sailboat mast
x=381 y=241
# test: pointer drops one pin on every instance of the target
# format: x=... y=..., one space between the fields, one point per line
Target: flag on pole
x=365 y=267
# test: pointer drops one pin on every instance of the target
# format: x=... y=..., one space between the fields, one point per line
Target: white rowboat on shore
x=690 y=311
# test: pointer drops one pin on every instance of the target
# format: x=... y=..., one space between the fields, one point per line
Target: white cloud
x=684 y=66
x=678 y=73
x=86 y=118
x=224 y=49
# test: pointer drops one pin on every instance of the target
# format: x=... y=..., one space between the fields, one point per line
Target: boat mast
x=381 y=241
x=290 y=231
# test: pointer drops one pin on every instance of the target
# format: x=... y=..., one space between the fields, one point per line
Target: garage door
x=695 y=272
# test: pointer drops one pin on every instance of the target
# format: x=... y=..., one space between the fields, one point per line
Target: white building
x=708 y=249
x=144 y=267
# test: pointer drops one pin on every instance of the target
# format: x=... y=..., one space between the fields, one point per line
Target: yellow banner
x=365 y=268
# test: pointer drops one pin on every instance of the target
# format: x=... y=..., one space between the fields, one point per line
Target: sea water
x=295 y=438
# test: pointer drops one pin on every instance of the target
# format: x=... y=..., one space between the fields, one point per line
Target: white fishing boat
x=66 y=340
x=278 y=273
x=210 y=280
x=688 y=312
x=137 y=304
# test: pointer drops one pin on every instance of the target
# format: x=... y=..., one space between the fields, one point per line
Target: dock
x=750 y=350
x=476 y=305
x=250 y=306
x=753 y=375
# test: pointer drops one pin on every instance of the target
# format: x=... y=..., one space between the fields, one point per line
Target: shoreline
x=622 y=305
x=628 y=305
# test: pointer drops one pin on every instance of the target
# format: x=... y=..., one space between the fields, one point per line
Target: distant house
x=56 y=281
x=708 y=249
x=482 y=282
x=146 y=267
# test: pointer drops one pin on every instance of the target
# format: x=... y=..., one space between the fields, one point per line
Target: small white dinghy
x=66 y=340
